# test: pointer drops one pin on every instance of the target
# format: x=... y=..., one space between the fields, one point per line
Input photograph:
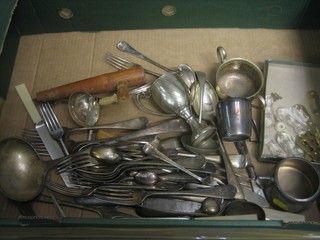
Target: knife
x=51 y=145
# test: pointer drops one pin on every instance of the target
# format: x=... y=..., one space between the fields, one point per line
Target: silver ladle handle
x=125 y=47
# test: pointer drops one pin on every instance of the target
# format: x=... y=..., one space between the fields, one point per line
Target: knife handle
x=98 y=84
x=28 y=103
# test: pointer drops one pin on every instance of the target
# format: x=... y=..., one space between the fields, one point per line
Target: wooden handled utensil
x=98 y=84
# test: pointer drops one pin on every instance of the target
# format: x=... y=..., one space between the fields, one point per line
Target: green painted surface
x=8 y=47
x=6 y=9
x=157 y=229
x=39 y=16
x=36 y=16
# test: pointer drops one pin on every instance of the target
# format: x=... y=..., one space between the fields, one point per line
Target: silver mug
x=234 y=119
x=237 y=77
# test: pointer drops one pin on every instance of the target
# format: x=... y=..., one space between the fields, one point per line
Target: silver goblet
x=172 y=95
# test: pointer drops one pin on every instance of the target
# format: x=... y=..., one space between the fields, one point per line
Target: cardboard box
x=44 y=50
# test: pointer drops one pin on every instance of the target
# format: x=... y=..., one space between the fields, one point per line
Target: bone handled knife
x=51 y=145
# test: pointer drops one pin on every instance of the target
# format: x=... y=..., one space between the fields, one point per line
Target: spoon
x=208 y=147
x=201 y=78
x=242 y=207
x=187 y=74
x=105 y=154
x=204 y=98
x=23 y=174
x=211 y=206
x=146 y=177
x=151 y=149
x=84 y=110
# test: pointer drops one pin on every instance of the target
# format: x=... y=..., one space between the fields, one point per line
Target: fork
x=121 y=63
x=31 y=136
x=53 y=124
x=134 y=197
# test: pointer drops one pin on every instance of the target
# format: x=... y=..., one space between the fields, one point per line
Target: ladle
x=23 y=174
x=84 y=110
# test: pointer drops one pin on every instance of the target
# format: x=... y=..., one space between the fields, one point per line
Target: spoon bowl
x=209 y=100
x=187 y=74
x=211 y=206
x=105 y=154
x=210 y=146
x=146 y=177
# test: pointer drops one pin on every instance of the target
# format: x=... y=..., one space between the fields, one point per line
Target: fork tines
x=118 y=62
x=121 y=63
x=31 y=136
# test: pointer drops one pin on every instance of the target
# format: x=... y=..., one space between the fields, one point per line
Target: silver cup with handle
x=238 y=77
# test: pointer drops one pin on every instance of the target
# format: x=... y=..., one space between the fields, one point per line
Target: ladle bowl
x=23 y=175
x=82 y=110
x=21 y=172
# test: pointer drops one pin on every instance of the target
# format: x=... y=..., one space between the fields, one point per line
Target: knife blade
x=51 y=145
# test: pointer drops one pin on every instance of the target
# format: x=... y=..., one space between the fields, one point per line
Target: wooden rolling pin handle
x=99 y=84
